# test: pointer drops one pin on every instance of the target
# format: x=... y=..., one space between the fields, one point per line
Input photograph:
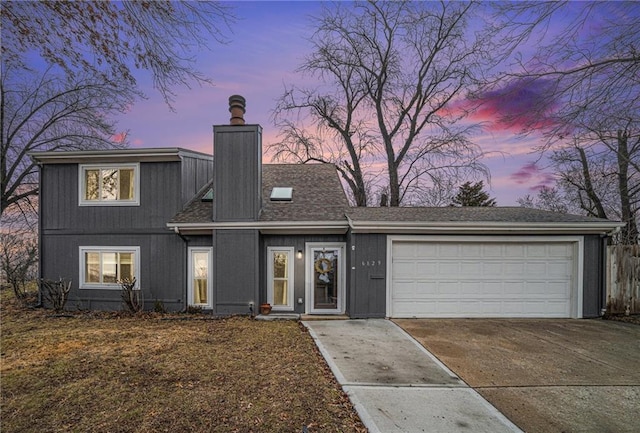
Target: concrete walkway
x=396 y=385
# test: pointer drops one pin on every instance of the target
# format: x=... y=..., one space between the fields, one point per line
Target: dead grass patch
x=105 y=372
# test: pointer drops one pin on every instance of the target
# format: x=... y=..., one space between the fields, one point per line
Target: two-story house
x=227 y=233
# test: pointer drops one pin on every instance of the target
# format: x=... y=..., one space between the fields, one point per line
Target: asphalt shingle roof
x=196 y=211
x=317 y=193
x=463 y=214
x=317 y=196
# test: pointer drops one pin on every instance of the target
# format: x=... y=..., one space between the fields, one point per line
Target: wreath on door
x=323 y=266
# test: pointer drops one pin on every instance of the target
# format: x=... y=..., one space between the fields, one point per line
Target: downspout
x=186 y=265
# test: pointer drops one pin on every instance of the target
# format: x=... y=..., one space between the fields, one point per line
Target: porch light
x=299 y=255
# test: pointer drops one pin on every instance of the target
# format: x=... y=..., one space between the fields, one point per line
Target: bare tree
x=389 y=74
x=547 y=198
x=590 y=73
x=46 y=112
x=602 y=177
x=19 y=247
x=92 y=50
x=110 y=40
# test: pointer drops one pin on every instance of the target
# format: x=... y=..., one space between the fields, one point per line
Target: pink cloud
x=519 y=104
x=531 y=173
x=119 y=137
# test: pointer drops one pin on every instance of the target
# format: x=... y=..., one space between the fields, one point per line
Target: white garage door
x=482 y=278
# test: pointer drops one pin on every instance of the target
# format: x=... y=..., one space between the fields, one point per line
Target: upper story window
x=109 y=185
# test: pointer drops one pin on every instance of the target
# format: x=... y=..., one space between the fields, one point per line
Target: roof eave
x=165 y=154
x=479 y=227
x=265 y=227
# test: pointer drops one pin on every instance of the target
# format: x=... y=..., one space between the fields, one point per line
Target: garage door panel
x=424 y=251
x=448 y=250
x=449 y=268
x=403 y=269
x=512 y=289
x=559 y=269
x=482 y=279
x=491 y=269
x=515 y=250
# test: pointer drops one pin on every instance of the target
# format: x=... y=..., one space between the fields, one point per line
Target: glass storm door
x=280 y=278
x=325 y=278
x=200 y=290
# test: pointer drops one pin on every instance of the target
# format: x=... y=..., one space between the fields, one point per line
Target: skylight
x=208 y=195
x=279 y=193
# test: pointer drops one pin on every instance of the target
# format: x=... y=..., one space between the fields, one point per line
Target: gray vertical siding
x=367 y=281
x=368 y=295
x=162 y=269
x=237 y=172
x=298 y=243
x=235 y=270
x=593 y=282
x=65 y=226
x=196 y=173
x=160 y=199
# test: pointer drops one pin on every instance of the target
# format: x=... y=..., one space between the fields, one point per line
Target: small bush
x=158 y=307
x=194 y=309
x=55 y=293
x=131 y=296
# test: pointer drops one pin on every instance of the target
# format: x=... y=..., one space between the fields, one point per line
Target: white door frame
x=290 y=251
x=190 y=300
x=310 y=247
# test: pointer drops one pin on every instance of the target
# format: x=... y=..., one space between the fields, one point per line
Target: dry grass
x=152 y=373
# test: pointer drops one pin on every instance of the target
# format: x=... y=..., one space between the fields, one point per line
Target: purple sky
x=267 y=44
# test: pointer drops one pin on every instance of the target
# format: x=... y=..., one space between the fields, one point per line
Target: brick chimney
x=237 y=109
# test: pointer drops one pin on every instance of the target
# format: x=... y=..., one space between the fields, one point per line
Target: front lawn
x=108 y=372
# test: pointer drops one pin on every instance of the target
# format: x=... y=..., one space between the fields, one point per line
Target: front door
x=325 y=278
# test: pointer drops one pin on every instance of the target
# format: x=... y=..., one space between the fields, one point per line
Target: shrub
x=158 y=307
x=55 y=293
x=131 y=296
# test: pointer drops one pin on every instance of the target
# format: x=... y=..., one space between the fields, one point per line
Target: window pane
x=92 y=268
x=279 y=265
x=200 y=291
x=109 y=268
x=200 y=271
x=126 y=266
x=126 y=184
x=91 y=185
x=280 y=292
x=109 y=184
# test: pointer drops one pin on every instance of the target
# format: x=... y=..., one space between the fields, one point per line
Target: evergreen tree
x=473 y=195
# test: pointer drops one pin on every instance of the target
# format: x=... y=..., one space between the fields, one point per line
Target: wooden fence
x=623 y=279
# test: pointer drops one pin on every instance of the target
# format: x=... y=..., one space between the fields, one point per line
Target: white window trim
x=100 y=249
x=290 y=274
x=82 y=168
x=209 y=251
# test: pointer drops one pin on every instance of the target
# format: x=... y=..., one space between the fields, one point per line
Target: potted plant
x=265 y=308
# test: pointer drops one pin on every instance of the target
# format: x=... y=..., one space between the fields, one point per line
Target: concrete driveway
x=544 y=375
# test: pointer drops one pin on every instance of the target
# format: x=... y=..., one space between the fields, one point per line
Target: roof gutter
x=266 y=227
x=114 y=155
x=480 y=227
